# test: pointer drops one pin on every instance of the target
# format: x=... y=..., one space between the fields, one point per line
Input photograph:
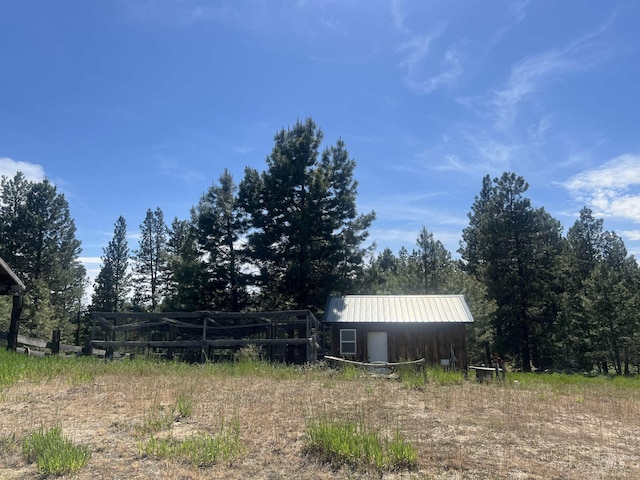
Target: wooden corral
x=287 y=336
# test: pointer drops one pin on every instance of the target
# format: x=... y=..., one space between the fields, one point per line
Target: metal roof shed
x=396 y=328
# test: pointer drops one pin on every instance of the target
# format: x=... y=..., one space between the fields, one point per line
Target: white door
x=377 y=347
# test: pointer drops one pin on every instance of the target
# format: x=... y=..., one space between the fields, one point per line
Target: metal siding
x=398 y=309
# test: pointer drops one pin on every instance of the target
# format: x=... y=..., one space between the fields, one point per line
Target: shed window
x=348 y=341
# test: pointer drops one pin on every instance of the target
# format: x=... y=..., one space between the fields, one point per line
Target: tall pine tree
x=307 y=235
x=583 y=251
x=39 y=243
x=187 y=278
x=514 y=250
x=149 y=262
x=221 y=225
x=113 y=283
x=611 y=306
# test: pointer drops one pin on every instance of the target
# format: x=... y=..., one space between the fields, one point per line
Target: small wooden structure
x=287 y=336
x=37 y=347
x=484 y=374
x=10 y=284
x=397 y=328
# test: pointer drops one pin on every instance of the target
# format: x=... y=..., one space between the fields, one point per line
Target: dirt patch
x=465 y=431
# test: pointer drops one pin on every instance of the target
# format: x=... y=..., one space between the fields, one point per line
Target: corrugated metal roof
x=398 y=309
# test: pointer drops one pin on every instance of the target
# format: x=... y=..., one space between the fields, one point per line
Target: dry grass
x=489 y=431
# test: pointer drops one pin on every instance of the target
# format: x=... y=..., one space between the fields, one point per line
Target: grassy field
x=142 y=419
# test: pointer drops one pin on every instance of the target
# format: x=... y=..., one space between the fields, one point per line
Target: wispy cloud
x=178 y=12
x=633 y=235
x=421 y=75
x=417 y=49
x=612 y=190
x=171 y=168
x=517 y=10
x=534 y=73
x=32 y=171
x=242 y=149
x=398 y=17
x=452 y=163
x=475 y=152
x=494 y=154
x=260 y=17
x=413 y=207
x=451 y=70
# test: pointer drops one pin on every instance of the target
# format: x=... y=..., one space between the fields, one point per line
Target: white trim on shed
x=398 y=309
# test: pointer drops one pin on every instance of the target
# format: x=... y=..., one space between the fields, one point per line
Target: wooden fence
x=287 y=336
x=39 y=348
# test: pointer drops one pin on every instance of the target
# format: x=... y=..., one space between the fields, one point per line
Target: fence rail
x=55 y=346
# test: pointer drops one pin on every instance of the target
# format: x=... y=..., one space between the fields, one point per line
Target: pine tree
x=187 y=279
x=220 y=227
x=14 y=196
x=611 y=305
x=432 y=262
x=39 y=243
x=149 y=262
x=583 y=251
x=514 y=250
x=307 y=235
x=114 y=281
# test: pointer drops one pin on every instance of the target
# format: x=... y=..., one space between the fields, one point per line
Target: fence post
x=89 y=346
x=12 y=341
x=55 y=342
x=203 y=354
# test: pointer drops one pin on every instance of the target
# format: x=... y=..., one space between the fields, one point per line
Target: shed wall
x=408 y=341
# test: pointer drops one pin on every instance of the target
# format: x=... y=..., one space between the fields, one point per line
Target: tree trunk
x=626 y=361
x=526 y=352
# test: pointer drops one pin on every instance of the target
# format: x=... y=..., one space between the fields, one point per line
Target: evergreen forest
x=289 y=236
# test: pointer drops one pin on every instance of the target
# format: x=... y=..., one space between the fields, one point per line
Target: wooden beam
x=199 y=343
x=14 y=327
x=146 y=315
x=257 y=341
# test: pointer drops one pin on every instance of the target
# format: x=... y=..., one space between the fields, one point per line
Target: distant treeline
x=290 y=236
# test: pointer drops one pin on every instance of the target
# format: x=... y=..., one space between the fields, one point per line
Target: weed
x=8 y=444
x=53 y=453
x=200 y=450
x=413 y=378
x=418 y=378
x=350 y=371
x=401 y=453
x=184 y=404
x=445 y=377
x=353 y=442
x=250 y=353
x=156 y=420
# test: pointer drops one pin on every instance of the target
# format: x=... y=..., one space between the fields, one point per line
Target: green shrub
x=53 y=453
x=354 y=443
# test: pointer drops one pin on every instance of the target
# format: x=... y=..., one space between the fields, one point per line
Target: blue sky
x=134 y=104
